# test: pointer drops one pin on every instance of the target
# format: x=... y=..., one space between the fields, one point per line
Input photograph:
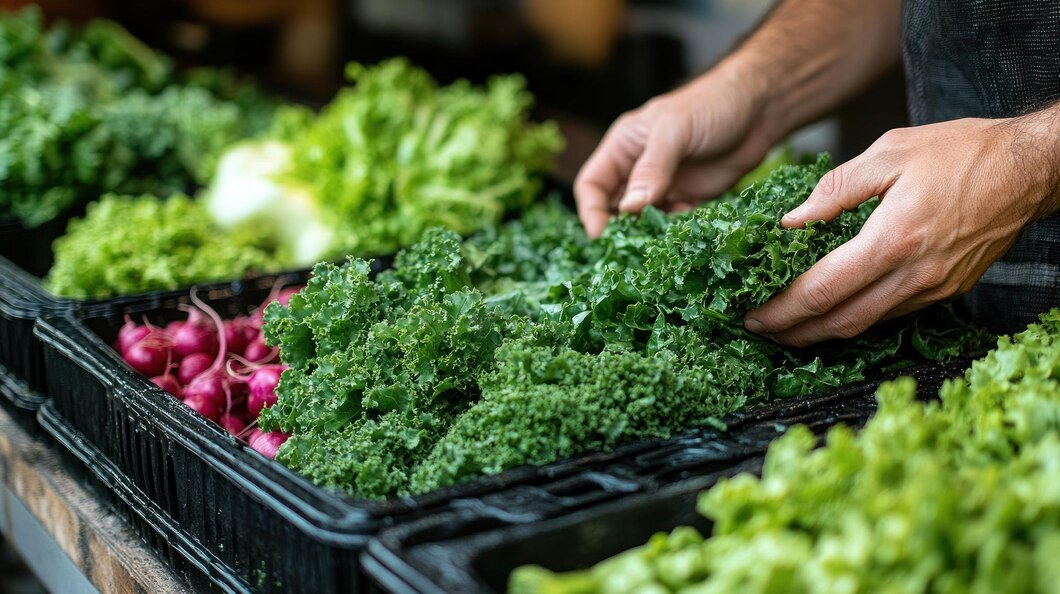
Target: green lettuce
x=956 y=495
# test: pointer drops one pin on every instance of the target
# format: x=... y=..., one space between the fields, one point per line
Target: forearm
x=809 y=56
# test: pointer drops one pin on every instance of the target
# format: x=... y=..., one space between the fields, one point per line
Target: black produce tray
x=473 y=551
x=236 y=505
x=19 y=401
x=199 y=569
x=31 y=248
x=473 y=547
x=24 y=254
x=23 y=301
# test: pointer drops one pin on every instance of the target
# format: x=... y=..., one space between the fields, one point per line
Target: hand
x=955 y=197
x=676 y=150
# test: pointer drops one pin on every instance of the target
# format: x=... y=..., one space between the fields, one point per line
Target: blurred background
x=587 y=61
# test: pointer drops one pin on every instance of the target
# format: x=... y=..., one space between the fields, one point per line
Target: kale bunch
x=93 y=110
x=531 y=343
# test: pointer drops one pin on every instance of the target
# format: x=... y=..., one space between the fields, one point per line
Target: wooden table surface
x=71 y=540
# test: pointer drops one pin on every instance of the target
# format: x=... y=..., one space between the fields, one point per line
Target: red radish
x=168 y=383
x=147 y=358
x=253 y=434
x=192 y=338
x=285 y=295
x=262 y=388
x=172 y=327
x=130 y=334
x=211 y=409
x=231 y=424
x=238 y=334
x=193 y=366
x=267 y=444
x=208 y=386
x=258 y=352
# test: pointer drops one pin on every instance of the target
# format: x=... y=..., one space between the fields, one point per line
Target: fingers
x=843 y=188
x=653 y=171
x=593 y=211
x=852 y=317
x=831 y=281
x=604 y=174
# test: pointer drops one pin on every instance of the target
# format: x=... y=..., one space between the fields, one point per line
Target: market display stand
x=67 y=537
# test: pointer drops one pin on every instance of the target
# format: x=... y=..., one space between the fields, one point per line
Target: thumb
x=841 y=189
x=652 y=174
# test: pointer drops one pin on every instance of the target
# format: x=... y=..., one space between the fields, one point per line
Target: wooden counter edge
x=111 y=556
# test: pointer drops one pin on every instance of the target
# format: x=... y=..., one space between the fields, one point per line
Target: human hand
x=954 y=198
x=676 y=150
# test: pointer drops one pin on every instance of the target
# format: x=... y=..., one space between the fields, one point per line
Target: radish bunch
x=221 y=369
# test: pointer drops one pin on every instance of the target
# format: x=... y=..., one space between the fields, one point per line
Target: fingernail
x=754 y=325
x=633 y=200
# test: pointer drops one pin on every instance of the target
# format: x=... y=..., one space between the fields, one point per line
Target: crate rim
x=104 y=470
x=325 y=515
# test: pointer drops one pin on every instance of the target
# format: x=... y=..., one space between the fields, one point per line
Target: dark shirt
x=991 y=59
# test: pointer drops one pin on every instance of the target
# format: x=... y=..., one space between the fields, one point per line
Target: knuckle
x=832 y=182
x=841 y=325
x=624 y=121
x=931 y=276
x=892 y=139
x=817 y=296
x=902 y=246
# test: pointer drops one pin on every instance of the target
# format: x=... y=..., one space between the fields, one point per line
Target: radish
x=285 y=295
x=267 y=444
x=258 y=352
x=168 y=383
x=262 y=388
x=173 y=327
x=208 y=386
x=193 y=366
x=231 y=424
x=147 y=358
x=130 y=334
x=238 y=334
x=211 y=409
x=191 y=338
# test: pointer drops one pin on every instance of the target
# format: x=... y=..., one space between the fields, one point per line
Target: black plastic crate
x=23 y=301
x=30 y=248
x=473 y=548
x=236 y=505
x=473 y=551
x=199 y=569
x=25 y=253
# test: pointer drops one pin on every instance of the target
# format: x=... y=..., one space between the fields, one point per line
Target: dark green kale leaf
x=529 y=343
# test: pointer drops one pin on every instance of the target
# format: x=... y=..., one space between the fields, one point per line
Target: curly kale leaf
x=93 y=110
x=529 y=343
x=541 y=404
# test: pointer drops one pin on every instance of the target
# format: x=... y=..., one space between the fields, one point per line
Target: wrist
x=748 y=78
x=1032 y=142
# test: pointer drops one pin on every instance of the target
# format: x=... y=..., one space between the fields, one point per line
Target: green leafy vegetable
x=129 y=245
x=91 y=111
x=961 y=495
x=392 y=156
x=531 y=343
